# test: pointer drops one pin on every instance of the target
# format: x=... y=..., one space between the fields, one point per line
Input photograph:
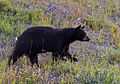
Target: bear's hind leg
x=15 y=56
x=9 y=60
x=34 y=59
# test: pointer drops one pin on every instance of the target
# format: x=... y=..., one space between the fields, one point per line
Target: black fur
x=46 y=39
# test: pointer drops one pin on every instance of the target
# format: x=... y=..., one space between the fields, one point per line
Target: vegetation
x=99 y=59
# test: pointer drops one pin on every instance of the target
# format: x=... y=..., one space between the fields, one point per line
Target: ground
x=98 y=59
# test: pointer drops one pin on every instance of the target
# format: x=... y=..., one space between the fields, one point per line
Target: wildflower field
x=99 y=59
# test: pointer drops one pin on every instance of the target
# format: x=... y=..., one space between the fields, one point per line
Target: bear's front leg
x=34 y=59
x=54 y=56
x=71 y=58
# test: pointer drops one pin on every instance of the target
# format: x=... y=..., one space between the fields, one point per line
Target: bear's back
x=34 y=32
x=38 y=29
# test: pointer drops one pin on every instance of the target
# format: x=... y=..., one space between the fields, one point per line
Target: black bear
x=43 y=39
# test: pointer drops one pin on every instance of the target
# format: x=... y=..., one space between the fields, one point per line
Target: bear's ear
x=83 y=27
x=80 y=27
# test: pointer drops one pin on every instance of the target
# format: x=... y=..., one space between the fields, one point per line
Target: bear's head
x=80 y=34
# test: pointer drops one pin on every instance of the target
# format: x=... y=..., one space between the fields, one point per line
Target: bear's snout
x=86 y=38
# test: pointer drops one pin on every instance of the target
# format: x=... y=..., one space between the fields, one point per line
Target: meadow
x=99 y=59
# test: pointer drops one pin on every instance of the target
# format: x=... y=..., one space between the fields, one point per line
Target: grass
x=99 y=59
x=89 y=70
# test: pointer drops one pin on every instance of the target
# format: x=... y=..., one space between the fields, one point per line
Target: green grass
x=96 y=65
x=89 y=70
